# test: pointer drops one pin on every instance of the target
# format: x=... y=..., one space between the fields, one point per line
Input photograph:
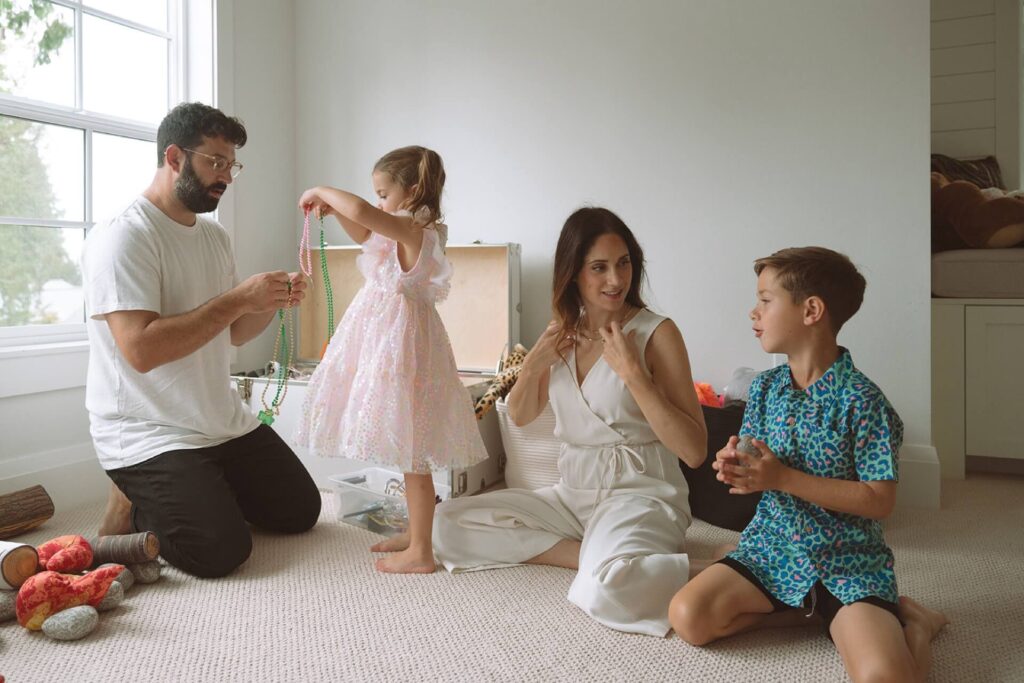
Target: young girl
x=387 y=389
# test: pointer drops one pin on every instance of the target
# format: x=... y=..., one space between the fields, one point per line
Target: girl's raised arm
x=357 y=215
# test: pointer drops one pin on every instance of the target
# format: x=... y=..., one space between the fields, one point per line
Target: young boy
x=826 y=440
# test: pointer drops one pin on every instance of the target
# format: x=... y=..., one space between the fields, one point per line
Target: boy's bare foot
x=116 y=518
x=722 y=550
x=392 y=545
x=918 y=616
x=407 y=561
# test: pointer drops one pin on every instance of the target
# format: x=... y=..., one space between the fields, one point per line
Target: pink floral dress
x=388 y=390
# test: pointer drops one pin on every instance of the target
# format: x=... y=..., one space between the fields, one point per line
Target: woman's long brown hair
x=578 y=235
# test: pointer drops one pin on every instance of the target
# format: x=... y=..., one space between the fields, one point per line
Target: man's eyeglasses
x=219 y=163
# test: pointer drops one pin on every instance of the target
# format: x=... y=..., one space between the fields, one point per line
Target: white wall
x=262 y=93
x=975 y=55
x=720 y=132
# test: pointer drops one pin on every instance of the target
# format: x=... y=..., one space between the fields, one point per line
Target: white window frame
x=16 y=341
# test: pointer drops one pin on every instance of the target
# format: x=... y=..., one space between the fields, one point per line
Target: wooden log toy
x=17 y=562
x=24 y=510
x=125 y=548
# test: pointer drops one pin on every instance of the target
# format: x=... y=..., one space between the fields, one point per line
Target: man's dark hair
x=188 y=123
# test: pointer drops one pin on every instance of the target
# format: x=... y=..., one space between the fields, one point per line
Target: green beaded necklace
x=328 y=292
x=284 y=345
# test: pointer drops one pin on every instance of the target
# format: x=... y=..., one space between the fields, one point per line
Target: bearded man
x=187 y=459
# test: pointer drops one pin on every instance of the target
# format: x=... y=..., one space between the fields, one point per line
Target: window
x=83 y=87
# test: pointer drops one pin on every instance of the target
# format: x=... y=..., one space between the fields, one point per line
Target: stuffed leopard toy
x=502 y=383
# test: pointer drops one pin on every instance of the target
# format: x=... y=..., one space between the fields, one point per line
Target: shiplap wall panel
x=963 y=115
x=965 y=144
x=964 y=88
x=960 y=32
x=964 y=60
x=957 y=9
x=963 y=66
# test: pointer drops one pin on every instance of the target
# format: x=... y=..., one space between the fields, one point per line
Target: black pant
x=199 y=502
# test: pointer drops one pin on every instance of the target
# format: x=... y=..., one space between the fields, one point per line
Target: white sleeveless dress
x=621 y=493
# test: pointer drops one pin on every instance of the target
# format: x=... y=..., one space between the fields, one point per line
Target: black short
x=819 y=600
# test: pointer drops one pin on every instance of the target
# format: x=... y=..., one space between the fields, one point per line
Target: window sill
x=47 y=349
x=37 y=368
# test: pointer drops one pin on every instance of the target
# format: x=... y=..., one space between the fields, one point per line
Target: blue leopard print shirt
x=841 y=427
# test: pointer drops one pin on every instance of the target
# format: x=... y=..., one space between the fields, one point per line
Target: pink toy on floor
x=49 y=592
x=71 y=553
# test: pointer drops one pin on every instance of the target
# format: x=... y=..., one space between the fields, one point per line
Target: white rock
x=7 y=599
x=72 y=623
x=125 y=578
x=113 y=598
x=146 y=572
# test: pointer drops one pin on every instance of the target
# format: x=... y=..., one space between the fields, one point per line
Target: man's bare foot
x=407 y=561
x=391 y=545
x=918 y=616
x=116 y=518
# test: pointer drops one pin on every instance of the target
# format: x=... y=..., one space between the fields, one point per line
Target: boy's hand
x=726 y=456
x=749 y=473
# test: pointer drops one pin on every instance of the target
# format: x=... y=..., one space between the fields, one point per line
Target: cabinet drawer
x=994 y=346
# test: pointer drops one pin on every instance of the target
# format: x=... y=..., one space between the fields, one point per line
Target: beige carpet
x=311 y=608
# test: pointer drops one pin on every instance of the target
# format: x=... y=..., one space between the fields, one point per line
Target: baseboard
x=77 y=477
x=72 y=476
x=980 y=463
x=920 y=477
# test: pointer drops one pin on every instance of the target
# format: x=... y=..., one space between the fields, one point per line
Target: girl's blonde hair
x=419 y=171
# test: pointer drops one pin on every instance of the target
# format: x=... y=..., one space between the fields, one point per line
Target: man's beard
x=192 y=193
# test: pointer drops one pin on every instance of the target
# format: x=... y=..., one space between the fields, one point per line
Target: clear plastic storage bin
x=374 y=498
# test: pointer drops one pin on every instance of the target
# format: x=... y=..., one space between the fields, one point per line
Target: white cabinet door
x=995 y=381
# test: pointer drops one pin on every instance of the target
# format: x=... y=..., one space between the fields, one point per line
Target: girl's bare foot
x=116 y=518
x=407 y=561
x=918 y=616
x=392 y=545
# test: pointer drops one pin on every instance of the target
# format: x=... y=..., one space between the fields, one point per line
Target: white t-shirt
x=143 y=260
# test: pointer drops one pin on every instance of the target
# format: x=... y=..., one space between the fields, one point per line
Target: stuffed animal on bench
x=503 y=382
x=967 y=216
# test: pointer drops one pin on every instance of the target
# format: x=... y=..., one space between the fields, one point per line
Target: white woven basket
x=531 y=452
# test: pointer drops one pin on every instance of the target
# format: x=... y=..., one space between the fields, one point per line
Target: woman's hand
x=749 y=473
x=549 y=349
x=620 y=352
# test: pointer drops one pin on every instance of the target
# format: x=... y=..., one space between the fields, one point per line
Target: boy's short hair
x=188 y=123
x=816 y=271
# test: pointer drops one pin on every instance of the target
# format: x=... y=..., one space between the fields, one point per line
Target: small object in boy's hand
x=746 y=446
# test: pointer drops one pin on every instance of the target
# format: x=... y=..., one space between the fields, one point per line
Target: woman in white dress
x=619 y=381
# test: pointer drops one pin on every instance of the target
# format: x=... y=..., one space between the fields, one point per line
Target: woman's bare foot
x=918 y=616
x=117 y=516
x=392 y=545
x=407 y=561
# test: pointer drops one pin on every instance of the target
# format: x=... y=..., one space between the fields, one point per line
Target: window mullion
x=88 y=177
x=79 y=61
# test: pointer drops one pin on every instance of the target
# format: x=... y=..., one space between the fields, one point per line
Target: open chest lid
x=481 y=313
